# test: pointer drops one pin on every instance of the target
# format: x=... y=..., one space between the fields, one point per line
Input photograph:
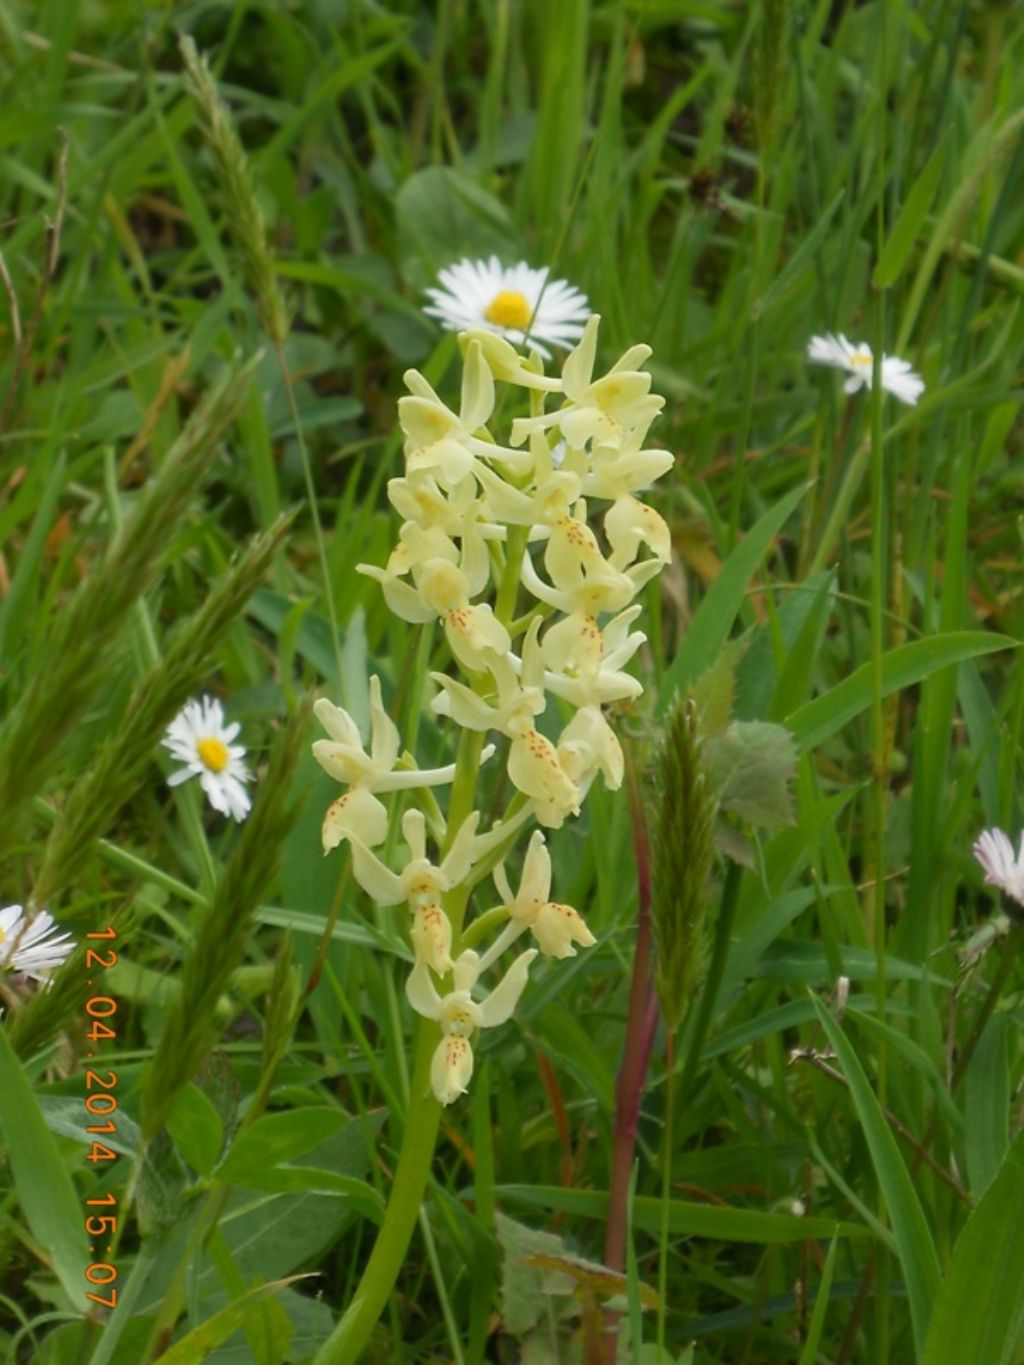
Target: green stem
x=423 y=1112
x=422 y=1119
x=999 y=980
x=314 y=509
x=716 y=970
x=876 y=816
x=666 y=1188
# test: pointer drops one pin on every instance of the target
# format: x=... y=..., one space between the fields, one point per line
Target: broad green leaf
x=196 y=1128
x=444 y=215
x=280 y=1179
x=41 y=1180
x=67 y=1116
x=816 y=721
x=275 y=1138
x=979 y=1311
x=525 y=1290
x=710 y=627
x=913 y=1238
x=908 y=225
x=685 y=1219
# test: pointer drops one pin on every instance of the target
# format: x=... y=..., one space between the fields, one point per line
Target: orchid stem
x=422 y=1119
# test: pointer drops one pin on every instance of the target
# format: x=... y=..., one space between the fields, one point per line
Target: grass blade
x=817 y=720
x=914 y=1243
x=685 y=1218
x=710 y=627
x=44 y=1187
x=979 y=1311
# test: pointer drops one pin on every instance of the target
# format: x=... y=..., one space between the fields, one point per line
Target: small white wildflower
x=35 y=947
x=857 y=360
x=199 y=738
x=994 y=851
x=516 y=302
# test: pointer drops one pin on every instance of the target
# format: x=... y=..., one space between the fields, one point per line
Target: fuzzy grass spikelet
x=86 y=629
x=124 y=761
x=771 y=68
x=222 y=937
x=243 y=210
x=683 y=849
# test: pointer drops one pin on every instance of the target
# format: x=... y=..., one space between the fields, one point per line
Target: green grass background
x=723 y=180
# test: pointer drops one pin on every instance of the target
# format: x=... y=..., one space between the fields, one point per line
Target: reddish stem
x=641 y=1024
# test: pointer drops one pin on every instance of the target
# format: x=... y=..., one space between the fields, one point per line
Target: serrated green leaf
x=526 y=1290
x=752 y=765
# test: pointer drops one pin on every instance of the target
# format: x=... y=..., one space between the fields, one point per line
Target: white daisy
x=995 y=853
x=514 y=301
x=26 y=947
x=897 y=376
x=199 y=738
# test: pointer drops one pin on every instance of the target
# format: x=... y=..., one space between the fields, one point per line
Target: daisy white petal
x=516 y=302
x=32 y=946
x=200 y=738
x=994 y=851
x=898 y=378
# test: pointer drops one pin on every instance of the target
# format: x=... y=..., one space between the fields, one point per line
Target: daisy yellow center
x=3 y=936
x=509 y=308
x=213 y=753
x=862 y=359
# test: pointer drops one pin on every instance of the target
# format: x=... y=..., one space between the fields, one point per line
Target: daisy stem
x=1002 y=974
x=314 y=511
x=875 y=822
x=838 y=517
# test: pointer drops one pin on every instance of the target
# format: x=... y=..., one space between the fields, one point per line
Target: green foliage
x=724 y=182
x=988 y=1326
